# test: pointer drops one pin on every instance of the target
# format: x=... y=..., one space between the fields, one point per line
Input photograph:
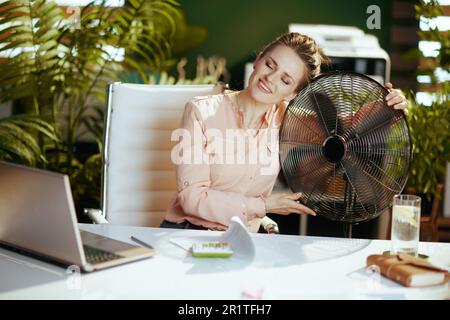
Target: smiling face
x=276 y=75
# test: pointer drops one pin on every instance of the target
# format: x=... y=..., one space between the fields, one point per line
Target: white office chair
x=138 y=174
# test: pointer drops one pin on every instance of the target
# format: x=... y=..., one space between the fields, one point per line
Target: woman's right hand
x=285 y=203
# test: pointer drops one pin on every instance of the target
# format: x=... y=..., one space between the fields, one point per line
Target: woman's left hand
x=396 y=98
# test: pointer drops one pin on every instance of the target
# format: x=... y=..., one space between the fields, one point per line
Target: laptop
x=37 y=216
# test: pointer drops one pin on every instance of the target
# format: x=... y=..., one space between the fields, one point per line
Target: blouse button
x=186 y=183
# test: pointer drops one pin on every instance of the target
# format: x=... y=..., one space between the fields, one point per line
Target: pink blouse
x=223 y=170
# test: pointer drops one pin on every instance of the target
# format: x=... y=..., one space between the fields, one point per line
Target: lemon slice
x=405 y=214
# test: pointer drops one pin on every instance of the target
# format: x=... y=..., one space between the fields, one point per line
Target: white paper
x=239 y=238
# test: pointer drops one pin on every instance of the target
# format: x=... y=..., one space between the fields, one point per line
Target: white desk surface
x=284 y=267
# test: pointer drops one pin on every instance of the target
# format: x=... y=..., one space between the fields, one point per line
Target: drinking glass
x=405 y=224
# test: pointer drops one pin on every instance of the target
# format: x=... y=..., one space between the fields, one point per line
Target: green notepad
x=212 y=250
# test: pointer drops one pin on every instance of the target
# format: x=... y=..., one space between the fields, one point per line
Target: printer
x=349 y=49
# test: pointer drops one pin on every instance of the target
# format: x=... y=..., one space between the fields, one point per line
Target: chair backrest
x=138 y=174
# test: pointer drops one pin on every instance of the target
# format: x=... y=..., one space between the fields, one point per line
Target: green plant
x=430 y=124
x=56 y=70
x=431 y=142
x=18 y=141
x=429 y=10
x=56 y=67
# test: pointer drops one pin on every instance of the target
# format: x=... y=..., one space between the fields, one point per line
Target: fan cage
x=344 y=148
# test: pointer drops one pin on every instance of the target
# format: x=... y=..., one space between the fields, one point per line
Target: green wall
x=237 y=29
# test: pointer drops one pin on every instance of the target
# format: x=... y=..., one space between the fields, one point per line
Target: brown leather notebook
x=408 y=270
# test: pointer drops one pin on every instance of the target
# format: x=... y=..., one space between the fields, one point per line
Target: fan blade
x=299 y=152
x=373 y=116
x=302 y=129
x=385 y=154
x=365 y=191
x=327 y=114
x=326 y=196
x=303 y=168
x=381 y=168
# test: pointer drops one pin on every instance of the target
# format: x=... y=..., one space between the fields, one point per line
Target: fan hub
x=333 y=148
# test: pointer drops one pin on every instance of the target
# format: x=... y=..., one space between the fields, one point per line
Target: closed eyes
x=271 y=66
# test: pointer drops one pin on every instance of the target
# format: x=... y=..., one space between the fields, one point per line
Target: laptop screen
x=37 y=213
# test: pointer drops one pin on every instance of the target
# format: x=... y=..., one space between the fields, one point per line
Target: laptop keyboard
x=95 y=256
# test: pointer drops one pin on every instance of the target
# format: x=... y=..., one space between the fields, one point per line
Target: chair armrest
x=95 y=215
x=269 y=225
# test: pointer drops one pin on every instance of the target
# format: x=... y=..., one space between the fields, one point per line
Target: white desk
x=284 y=267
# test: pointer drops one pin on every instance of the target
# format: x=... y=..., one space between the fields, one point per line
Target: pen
x=142 y=243
x=179 y=245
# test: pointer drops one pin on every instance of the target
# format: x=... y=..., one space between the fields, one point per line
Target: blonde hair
x=306 y=48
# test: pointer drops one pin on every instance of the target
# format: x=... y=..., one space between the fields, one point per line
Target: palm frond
x=19 y=138
x=16 y=150
x=28 y=34
x=59 y=71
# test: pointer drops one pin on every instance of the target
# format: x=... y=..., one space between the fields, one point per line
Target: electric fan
x=344 y=148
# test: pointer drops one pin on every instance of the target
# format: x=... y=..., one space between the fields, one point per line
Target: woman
x=228 y=151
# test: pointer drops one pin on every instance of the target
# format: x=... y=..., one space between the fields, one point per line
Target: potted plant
x=54 y=71
x=431 y=143
x=429 y=123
